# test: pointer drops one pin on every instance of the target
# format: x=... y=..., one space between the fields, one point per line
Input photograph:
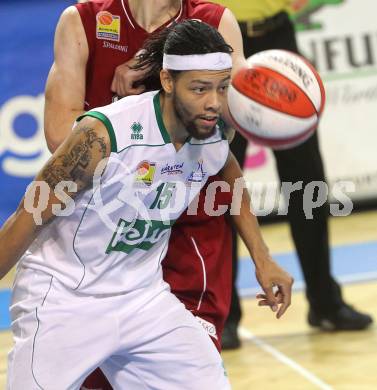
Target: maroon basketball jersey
x=114 y=37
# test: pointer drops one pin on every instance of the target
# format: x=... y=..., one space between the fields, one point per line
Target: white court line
x=360 y=277
x=246 y=334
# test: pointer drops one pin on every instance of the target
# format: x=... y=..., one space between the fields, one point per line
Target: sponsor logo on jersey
x=197 y=175
x=108 y=26
x=114 y=46
x=175 y=169
x=136 y=128
x=137 y=234
x=208 y=327
x=145 y=173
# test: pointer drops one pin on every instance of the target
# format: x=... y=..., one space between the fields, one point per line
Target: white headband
x=209 y=61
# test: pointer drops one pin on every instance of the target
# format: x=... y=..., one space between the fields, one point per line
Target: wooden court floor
x=287 y=354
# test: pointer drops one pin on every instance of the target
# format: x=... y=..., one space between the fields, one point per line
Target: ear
x=167 y=81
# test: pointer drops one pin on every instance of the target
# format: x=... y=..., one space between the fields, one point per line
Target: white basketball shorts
x=61 y=336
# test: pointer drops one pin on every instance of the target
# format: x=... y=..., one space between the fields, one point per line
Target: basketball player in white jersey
x=89 y=290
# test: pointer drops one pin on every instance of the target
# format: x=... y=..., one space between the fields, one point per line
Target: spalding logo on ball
x=277 y=100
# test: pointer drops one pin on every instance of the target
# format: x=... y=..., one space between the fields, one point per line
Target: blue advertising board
x=26 y=43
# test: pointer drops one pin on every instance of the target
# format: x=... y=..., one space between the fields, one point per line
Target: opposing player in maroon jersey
x=95 y=44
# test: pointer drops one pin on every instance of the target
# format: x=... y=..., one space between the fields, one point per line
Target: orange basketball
x=277 y=100
x=105 y=18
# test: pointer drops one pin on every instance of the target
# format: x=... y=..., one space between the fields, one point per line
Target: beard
x=200 y=133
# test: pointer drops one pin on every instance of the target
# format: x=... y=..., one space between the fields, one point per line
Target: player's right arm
x=268 y=272
x=65 y=87
x=74 y=161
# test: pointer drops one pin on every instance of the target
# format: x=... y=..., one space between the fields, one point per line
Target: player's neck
x=177 y=132
x=151 y=14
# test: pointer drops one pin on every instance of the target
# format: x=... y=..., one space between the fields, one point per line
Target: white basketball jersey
x=118 y=233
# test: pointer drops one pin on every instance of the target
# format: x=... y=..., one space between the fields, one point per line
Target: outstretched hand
x=277 y=287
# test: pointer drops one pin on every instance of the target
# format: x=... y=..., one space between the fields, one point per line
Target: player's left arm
x=268 y=272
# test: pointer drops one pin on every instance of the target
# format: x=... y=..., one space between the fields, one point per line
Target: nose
x=213 y=102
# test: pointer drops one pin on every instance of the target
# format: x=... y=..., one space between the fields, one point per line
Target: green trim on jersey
x=157 y=108
x=222 y=126
x=131 y=146
x=209 y=143
x=109 y=127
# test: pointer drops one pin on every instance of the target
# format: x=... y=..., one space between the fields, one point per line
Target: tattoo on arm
x=72 y=165
x=53 y=174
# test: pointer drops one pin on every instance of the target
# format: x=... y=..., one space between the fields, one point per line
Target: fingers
x=270 y=298
x=117 y=87
x=124 y=80
x=269 y=274
x=278 y=296
x=140 y=89
x=282 y=299
x=113 y=86
x=125 y=88
x=285 y=291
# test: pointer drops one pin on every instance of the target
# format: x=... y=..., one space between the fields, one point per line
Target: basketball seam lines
x=273 y=142
x=277 y=109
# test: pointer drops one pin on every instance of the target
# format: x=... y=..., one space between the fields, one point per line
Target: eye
x=224 y=88
x=198 y=90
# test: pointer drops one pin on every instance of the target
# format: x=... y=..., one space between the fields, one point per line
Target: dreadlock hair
x=184 y=38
